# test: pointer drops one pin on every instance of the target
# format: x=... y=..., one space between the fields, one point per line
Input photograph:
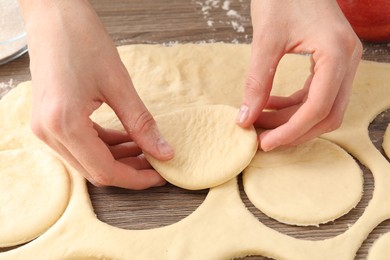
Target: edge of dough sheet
x=221 y=227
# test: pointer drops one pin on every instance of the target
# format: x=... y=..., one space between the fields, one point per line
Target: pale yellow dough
x=35 y=189
x=386 y=142
x=380 y=250
x=173 y=78
x=203 y=137
x=310 y=184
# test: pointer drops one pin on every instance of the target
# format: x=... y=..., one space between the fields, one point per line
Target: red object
x=369 y=18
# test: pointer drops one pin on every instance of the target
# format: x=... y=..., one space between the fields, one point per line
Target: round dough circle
x=310 y=184
x=35 y=189
x=210 y=148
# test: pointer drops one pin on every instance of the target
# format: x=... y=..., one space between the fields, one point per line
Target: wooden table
x=165 y=21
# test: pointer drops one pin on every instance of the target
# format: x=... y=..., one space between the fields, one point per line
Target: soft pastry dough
x=309 y=184
x=35 y=189
x=380 y=250
x=171 y=79
x=386 y=142
x=203 y=137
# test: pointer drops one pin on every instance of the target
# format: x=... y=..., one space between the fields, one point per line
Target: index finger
x=325 y=85
x=95 y=157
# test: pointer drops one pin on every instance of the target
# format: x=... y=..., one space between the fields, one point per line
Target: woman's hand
x=302 y=26
x=75 y=68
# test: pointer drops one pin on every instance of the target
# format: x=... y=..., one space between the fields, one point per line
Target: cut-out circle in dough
x=210 y=148
x=35 y=189
x=310 y=184
x=152 y=208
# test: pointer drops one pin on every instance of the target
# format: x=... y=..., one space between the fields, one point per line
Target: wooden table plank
x=164 y=22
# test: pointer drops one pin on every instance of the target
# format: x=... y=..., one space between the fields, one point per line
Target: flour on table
x=233 y=18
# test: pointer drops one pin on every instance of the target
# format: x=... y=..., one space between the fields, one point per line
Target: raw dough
x=203 y=138
x=310 y=184
x=386 y=142
x=173 y=78
x=380 y=250
x=17 y=103
x=35 y=190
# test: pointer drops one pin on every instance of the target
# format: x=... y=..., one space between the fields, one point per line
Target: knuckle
x=334 y=122
x=48 y=121
x=37 y=129
x=143 y=122
x=358 y=51
x=321 y=111
x=350 y=43
x=52 y=119
x=59 y=120
x=252 y=85
x=346 y=41
x=101 y=180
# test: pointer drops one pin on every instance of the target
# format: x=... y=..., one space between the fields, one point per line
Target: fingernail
x=242 y=114
x=164 y=148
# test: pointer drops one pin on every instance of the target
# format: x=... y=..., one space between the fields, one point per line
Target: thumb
x=258 y=84
x=139 y=123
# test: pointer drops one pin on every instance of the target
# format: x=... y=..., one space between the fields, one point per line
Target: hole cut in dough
x=379 y=132
x=139 y=210
x=203 y=138
x=283 y=184
x=35 y=189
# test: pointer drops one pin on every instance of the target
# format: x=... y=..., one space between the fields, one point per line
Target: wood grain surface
x=182 y=21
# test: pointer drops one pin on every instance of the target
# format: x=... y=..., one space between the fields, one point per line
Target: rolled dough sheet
x=171 y=79
x=310 y=184
x=15 y=114
x=380 y=250
x=35 y=189
x=386 y=142
x=203 y=137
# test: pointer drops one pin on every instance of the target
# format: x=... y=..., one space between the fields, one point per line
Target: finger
x=129 y=149
x=110 y=136
x=334 y=120
x=278 y=102
x=137 y=121
x=321 y=97
x=264 y=60
x=138 y=179
x=92 y=153
x=138 y=162
x=61 y=150
x=273 y=119
x=284 y=108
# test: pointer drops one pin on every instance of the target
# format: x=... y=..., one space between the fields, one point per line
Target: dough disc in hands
x=310 y=184
x=35 y=190
x=210 y=148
